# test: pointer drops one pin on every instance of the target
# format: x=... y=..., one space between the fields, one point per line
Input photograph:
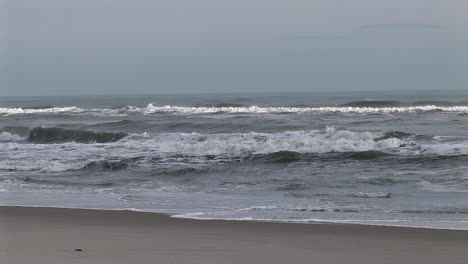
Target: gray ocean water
x=384 y=158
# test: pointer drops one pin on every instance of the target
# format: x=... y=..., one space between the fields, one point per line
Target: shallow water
x=394 y=158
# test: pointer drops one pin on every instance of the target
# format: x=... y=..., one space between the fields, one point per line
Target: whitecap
x=151 y=109
x=373 y=195
x=7 y=136
x=19 y=110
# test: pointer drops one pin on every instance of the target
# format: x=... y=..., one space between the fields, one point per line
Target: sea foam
x=18 y=110
x=196 y=148
x=190 y=148
x=7 y=136
x=152 y=109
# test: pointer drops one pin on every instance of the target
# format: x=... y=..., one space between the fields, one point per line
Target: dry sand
x=51 y=235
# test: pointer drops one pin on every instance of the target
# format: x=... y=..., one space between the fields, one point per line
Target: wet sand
x=52 y=235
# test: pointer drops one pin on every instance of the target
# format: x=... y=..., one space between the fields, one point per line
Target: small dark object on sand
x=78 y=249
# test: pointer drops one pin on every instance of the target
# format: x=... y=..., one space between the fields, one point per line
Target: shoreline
x=181 y=216
x=51 y=235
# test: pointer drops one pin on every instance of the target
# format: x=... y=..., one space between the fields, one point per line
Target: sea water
x=381 y=158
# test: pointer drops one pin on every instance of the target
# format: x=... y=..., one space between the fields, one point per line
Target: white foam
x=452 y=148
x=372 y=195
x=7 y=136
x=151 y=109
x=416 y=223
x=42 y=165
x=193 y=148
x=199 y=216
x=246 y=144
x=259 y=207
x=13 y=111
x=181 y=148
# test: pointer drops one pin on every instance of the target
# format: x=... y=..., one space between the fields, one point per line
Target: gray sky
x=160 y=46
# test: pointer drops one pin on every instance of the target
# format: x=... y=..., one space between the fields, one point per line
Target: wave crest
x=361 y=107
x=248 y=144
x=35 y=110
x=150 y=108
x=7 y=136
x=60 y=135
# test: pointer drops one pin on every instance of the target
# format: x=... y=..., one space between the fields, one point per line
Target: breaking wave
x=35 y=110
x=360 y=107
x=7 y=136
x=56 y=166
x=43 y=165
x=284 y=143
x=190 y=150
x=388 y=103
x=150 y=108
x=182 y=149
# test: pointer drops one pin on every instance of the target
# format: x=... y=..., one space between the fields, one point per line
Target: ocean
x=380 y=158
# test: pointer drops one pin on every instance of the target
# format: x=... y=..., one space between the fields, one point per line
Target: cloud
x=403 y=27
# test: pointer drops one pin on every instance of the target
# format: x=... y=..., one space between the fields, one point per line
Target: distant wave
x=150 y=108
x=361 y=107
x=35 y=110
x=439 y=103
x=388 y=103
x=373 y=103
x=222 y=105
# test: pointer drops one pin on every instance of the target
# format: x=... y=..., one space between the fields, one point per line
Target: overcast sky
x=190 y=46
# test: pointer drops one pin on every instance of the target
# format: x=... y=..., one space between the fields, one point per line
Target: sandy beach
x=52 y=235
